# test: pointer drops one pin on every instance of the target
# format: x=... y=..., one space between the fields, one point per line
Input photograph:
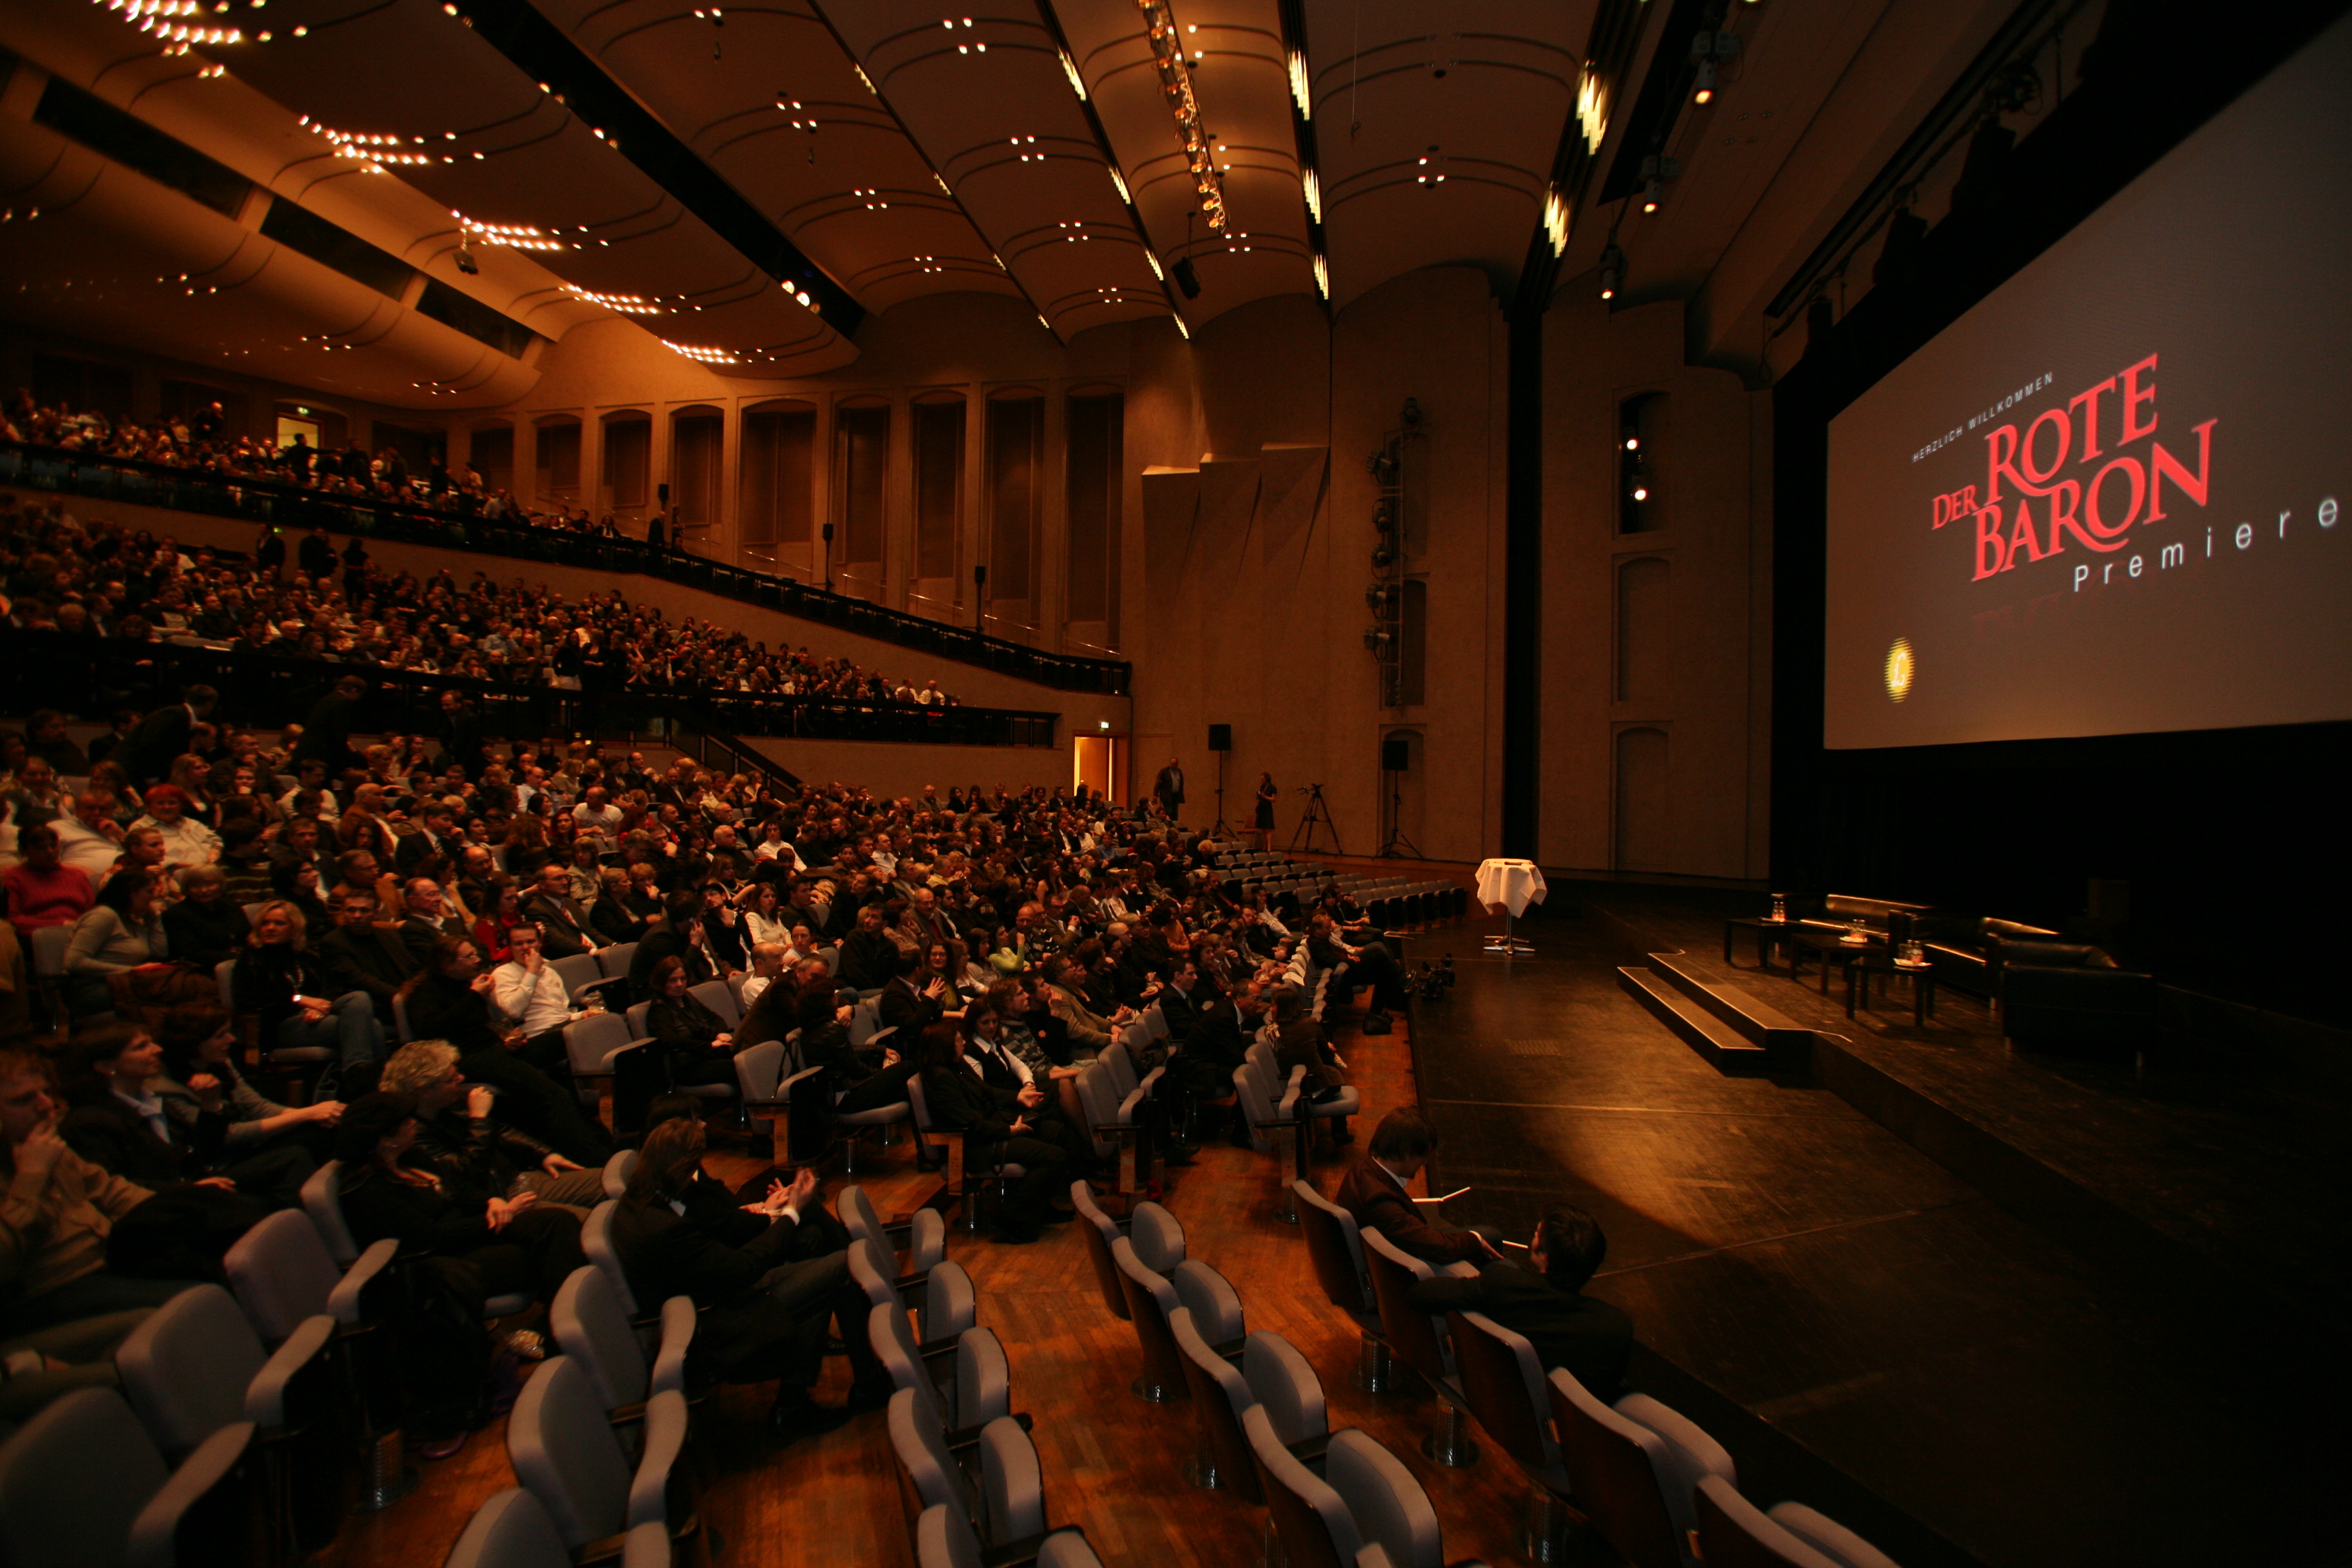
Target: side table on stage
x=1513 y=884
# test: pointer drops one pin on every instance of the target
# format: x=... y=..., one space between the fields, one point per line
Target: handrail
x=262 y=500
x=90 y=676
x=739 y=758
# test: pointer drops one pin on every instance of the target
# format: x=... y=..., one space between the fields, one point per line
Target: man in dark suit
x=361 y=955
x=562 y=922
x=424 y=919
x=326 y=732
x=1374 y=1190
x=461 y=735
x=439 y=836
x=1169 y=788
x=1545 y=1301
x=162 y=736
x=763 y=1301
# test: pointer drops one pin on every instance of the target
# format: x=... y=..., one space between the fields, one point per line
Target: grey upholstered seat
x=1415 y=1336
x=1634 y=1469
x=512 y=1530
x=281 y=1273
x=1733 y=1529
x=81 y=1487
x=592 y=1326
x=566 y=1454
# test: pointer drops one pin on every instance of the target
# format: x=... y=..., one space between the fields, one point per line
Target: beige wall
x=1713 y=703
x=891 y=769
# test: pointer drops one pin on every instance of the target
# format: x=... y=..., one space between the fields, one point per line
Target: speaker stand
x=1398 y=847
x=1220 y=830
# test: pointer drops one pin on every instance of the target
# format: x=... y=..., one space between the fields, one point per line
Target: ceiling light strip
x=1176 y=86
x=1302 y=133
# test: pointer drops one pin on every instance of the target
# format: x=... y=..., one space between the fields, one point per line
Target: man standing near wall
x=1169 y=787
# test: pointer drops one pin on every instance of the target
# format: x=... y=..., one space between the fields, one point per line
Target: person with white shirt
x=527 y=991
x=89 y=838
x=595 y=813
x=768 y=960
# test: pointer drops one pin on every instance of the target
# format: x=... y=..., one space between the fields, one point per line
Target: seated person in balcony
x=126 y=1116
x=512 y=1245
x=1544 y=1299
x=459 y=1137
x=1375 y=1190
x=57 y=1210
x=765 y=1298
x=205 y=927
x=277 y=979
x=450 y=999
x=699 y=1046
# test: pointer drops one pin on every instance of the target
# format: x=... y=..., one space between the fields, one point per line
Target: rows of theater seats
x=1388 y=900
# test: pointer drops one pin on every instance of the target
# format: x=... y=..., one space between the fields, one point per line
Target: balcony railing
x=93 y=676
x=292 y=507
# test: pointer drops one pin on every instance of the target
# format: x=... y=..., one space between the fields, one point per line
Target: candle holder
x=1779 y=909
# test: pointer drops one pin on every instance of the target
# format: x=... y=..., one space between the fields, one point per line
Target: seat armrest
x=265 y=1396
x=664 y=1439
x=963 y=1438
x=344 y=1301
x=1016 y=1554
x=1310 y=1450
x=154 y=1531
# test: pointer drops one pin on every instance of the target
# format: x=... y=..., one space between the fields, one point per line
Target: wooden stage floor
x=1862 y=1328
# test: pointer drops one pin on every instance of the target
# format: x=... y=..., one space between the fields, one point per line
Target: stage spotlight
x=1186 y=278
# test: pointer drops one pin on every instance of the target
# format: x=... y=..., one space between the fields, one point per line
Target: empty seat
x=82 y=1487
x=1414 y=1335
x=1365 y=1499
x=1272 y=1374
x=976 y=1386
x=1634 y=1469
x=616 y=1172
x=592 y=1326
x=565 y=1455
x=1735 y=1533
x=924 y=1234
x=1503 y=1383
x=1149 y=1299
x=944 y=1539
x=719 y=997
x=281 y=1274
x=1337 y=1253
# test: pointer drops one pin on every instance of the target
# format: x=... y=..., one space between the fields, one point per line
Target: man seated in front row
x=1545 y=1301
x=1376 y=1190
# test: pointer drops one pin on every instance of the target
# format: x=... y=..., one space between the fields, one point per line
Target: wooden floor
x=1112 y=1463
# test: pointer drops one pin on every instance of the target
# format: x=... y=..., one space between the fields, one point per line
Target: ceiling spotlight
x=1656 y=170
x=1649 y=198
x=1411 y=414
x=1640 y=491
x=1633 y=443
x=1186 y=278
x=1705 y=87
x=465 y=262
x=1612 y=272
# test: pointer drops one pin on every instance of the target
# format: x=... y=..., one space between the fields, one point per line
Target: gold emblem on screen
x=1900 y=667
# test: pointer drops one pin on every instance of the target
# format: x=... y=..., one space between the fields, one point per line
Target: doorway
x=1098 y=762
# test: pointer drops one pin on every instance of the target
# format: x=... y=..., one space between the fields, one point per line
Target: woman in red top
x=42 y=891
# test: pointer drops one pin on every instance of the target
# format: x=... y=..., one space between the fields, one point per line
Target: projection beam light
x=1176 y=85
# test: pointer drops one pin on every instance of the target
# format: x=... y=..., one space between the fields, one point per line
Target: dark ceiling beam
x=544 y=53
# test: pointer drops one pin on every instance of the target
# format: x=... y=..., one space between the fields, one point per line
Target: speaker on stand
x=1220 y=740
x=1396 y=756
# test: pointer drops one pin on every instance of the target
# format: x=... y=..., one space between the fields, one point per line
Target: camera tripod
x=1398 y=847
x=1318 y=813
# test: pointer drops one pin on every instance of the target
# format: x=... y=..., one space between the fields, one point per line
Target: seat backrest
x=1504 y=1383
x=984 y=1379
x=1215 y=1305
x=1115 y=1060
x=1099 y=1231
x=402 y=1033
x=225 y=976
x=617 y=1171
x=596 y=1241
x=590 y=1042
x=1158 y=1237
x=1259 y=1059
x=759 y=1070
x=510 y=1531
x=893 y=1339
x=1011 y=1486
x=1220 y=1395
x=636 y=1023
x=564 y=1453
x=927 y=1470
x=855 y=1211
x=1411 y=1334
x=1334 y=1249
x=1389 y=1508
x=1311 y=1520
x=71 y=1481
x=186 y=1368
x=1735 y=1533
x=1619 y=1472
x=1828 y=1537
x=870 y=1269
x=865 y=1018
x=281 y=1273
x=1283 y=1383
x=579 y=970
x=918 y=1106
x=716 y=995
x=1067 y=1549
x=944 y=1539
x=322 y=1201
x=1256 y=1109
x=614 y=960
x=592 y=1328
x=950 y=1304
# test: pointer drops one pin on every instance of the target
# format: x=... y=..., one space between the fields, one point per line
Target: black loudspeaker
x=1221 y=737
x=1393 y=756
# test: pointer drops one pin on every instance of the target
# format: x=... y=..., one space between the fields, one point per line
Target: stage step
x=1730 y=1027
